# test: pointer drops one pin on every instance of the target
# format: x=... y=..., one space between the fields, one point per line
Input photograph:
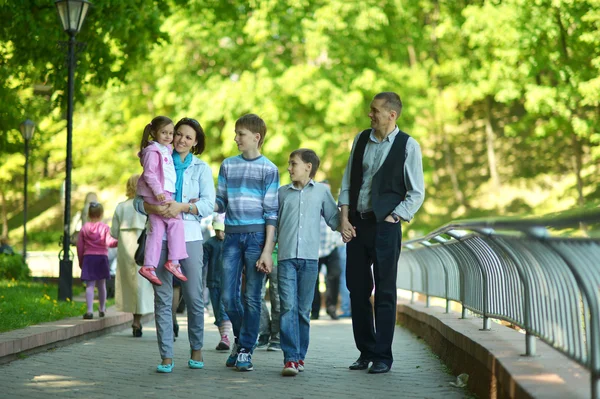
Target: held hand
x=265 y=263
x=194 y=200
x=348 y=231
x=160 y=197
x=173 y=209
x=389 y=219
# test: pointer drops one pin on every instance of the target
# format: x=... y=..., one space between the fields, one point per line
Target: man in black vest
x=382 y=185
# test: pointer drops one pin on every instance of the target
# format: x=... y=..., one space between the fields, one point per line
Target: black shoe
x=314 y=316
x=101 y=314
x=379 y=368
x=176 y=330
x=331 y=311
x=263 y=340
x=88 y=316
x=137 y=331
x=359 y=364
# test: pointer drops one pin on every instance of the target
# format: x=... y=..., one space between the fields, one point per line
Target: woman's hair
x=200 y=136
x=152 y=128
x=308 y=156
x=131 y=186
x=96 y=210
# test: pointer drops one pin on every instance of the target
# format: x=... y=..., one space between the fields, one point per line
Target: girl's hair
x=96 y=210
x=152 y=128
x=200 y=136
x=308 y=156
x=131 y=187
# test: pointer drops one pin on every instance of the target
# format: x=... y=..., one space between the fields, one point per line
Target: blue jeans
x=218 y=306
x=344 y=293
x=297 y=279
x=241 y=251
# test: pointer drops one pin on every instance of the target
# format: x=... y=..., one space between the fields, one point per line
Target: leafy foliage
x=503 y=96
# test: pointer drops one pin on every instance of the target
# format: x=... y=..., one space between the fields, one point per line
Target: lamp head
x=72 y=14
x=27 y=128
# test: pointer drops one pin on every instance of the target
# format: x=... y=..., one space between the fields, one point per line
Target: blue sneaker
x=244 y=361
x=232 y=359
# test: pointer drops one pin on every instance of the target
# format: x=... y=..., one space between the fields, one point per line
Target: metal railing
x=520 y=271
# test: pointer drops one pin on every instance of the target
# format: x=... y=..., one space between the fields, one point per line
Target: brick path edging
x=36 y=338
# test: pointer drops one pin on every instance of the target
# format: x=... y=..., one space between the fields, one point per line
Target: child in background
x=157 y=185
x=301 y=205
x=92 y=251
x=213 y=261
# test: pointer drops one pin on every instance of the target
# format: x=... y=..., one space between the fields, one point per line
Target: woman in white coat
x=133 y=293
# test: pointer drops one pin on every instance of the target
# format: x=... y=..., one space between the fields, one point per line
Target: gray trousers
x=192 y=294
x=270 y=325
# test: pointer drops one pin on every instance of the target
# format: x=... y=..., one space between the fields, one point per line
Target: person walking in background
x=269 y=323
x=156 y=186
x=92 y=252
x=382 y=185
x=247 y=193
x=213 y=261
x=344 y=293
x=301 y=205
x=195 y=199
x=133 y=293
x=330 y=256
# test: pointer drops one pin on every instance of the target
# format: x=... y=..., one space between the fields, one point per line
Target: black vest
x=388 y=187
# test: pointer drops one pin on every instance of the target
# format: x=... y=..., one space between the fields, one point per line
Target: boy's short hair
x=255 y=124
x=308 y=156
x=96 y=210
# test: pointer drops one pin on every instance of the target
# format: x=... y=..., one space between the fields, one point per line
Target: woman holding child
x=194 y=199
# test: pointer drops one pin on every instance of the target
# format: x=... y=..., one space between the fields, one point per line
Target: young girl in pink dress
x=156 y=186
x=93 y=242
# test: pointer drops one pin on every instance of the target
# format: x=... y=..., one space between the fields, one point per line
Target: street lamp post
x=72 y=14
x=27 y=128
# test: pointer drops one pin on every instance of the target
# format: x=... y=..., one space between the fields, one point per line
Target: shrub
x=13 y=267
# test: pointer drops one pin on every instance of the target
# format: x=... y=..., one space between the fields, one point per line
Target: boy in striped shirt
x=247 y=191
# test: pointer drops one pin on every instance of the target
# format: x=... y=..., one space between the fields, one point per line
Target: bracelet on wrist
x=190 y=208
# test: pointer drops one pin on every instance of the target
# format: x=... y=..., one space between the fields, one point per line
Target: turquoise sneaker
x=244 y=361
x=165 y=368
x=232 y=359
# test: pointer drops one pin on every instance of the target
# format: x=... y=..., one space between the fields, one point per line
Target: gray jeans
x=270 y=325
x=192 y=294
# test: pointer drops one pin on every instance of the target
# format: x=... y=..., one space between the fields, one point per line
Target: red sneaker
x=149 y=274
x=290 y=369
x=175 y=270
x=300 y=365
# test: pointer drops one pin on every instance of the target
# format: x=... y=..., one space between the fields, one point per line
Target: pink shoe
x=175 y=270
x=149 y=274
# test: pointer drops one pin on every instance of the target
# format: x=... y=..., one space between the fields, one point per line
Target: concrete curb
x=23 y=342
x=493 y=359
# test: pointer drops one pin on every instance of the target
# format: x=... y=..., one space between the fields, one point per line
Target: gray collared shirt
x=298 y=224
x=375 y=154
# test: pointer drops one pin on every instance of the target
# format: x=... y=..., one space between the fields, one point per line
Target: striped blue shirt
x=247 y=192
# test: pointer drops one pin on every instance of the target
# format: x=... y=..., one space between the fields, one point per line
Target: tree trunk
x=4 y=215
x=490 y=142
x=449 y=159
x=577 y=167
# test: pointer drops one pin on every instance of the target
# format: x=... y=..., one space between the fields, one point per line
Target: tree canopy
x=503 y=96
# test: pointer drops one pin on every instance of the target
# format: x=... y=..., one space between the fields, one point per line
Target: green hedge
x=13 y=267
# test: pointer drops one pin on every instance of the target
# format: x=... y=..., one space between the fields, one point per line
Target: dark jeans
x=332 y=281
x=376 y=244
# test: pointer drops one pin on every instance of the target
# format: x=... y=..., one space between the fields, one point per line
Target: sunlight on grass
x=24 y=304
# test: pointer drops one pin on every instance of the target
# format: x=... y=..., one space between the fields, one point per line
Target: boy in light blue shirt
x=247 y=192
x=301 y=205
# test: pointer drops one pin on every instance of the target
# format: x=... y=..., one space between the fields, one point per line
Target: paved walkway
x=120 y=366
